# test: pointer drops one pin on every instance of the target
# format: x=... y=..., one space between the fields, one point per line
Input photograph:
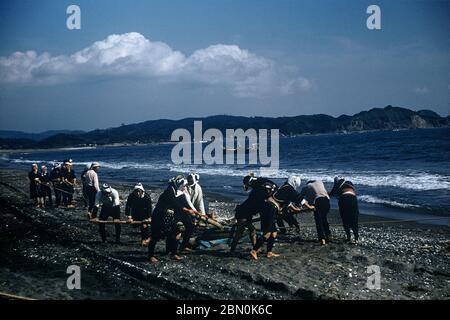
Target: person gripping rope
x=35 y=186
x=109 y=199
x=261 y=189
x=289 y=200
x=139 y=207
x=196 y=193
x=46 y=191
x=164 y=226
x=68 y=183
x=185 y=213
x=56 y=178
x=315 y=196
x=345 y=191
x=269 y=210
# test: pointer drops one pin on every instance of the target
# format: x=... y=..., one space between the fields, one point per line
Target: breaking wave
x=411 y=180
x=390 y=203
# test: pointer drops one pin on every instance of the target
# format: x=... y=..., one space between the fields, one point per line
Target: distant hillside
x=388 y=118
x=8 y=134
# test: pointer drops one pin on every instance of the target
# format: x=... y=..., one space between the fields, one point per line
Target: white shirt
x=110 y=200
x=196 y=194
x=92 y=179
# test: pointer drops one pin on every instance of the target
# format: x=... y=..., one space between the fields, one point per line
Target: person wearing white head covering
x=286 y=195
x=186 y=210
x=196 y=193
x=139 y=207
x=108 y=198
x=165 y=216
x=46 y=191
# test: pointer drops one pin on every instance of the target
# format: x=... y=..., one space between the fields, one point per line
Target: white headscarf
x=294 y=181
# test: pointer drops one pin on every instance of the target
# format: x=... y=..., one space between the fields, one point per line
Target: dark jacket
x=137 y=207
x=262 y=189
x=339 y=186
x=287 y=194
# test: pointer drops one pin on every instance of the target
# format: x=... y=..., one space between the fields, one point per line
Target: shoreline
x=38 y=245
x=169 y=142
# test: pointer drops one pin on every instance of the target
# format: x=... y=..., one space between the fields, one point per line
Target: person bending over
x=345 y=191
x=289 y=200
x=260 y=189
x=164 y=226
x=108 y=199
x=315 y=195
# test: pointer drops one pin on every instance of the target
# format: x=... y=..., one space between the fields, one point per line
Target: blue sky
x=175 y=59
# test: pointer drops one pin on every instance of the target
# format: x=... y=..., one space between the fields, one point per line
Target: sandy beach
x=38 y=245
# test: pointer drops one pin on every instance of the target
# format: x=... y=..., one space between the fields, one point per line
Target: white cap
x=106 y=188
x=295 y=181
x=139 y=186
x=95 y=164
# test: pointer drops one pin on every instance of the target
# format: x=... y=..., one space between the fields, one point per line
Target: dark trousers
x=46 y=192
x=67 y=195
x=105 y=213
x=322 y=207
x=85 y=196
x=349 y=211
x=58 y=195
x=189 y=227
x=268 y=215
x=157 y=235
x=289 y=218
x=91 y=192
x=239 y=229
x=145 y=233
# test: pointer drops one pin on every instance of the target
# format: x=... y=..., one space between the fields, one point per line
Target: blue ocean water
x=400 y=174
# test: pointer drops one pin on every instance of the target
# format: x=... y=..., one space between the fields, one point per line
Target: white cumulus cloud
x=131 y=54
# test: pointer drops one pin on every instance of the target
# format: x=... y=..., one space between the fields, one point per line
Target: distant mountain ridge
x=388 y=118
x=10 y=134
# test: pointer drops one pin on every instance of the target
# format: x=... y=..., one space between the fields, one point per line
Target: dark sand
x=38 y=245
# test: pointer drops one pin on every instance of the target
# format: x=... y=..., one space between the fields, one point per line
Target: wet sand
x=37 y=245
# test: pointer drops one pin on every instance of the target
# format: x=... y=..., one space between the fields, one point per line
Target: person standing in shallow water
x=345 y=191
x=35 y=186
x=315 y=195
